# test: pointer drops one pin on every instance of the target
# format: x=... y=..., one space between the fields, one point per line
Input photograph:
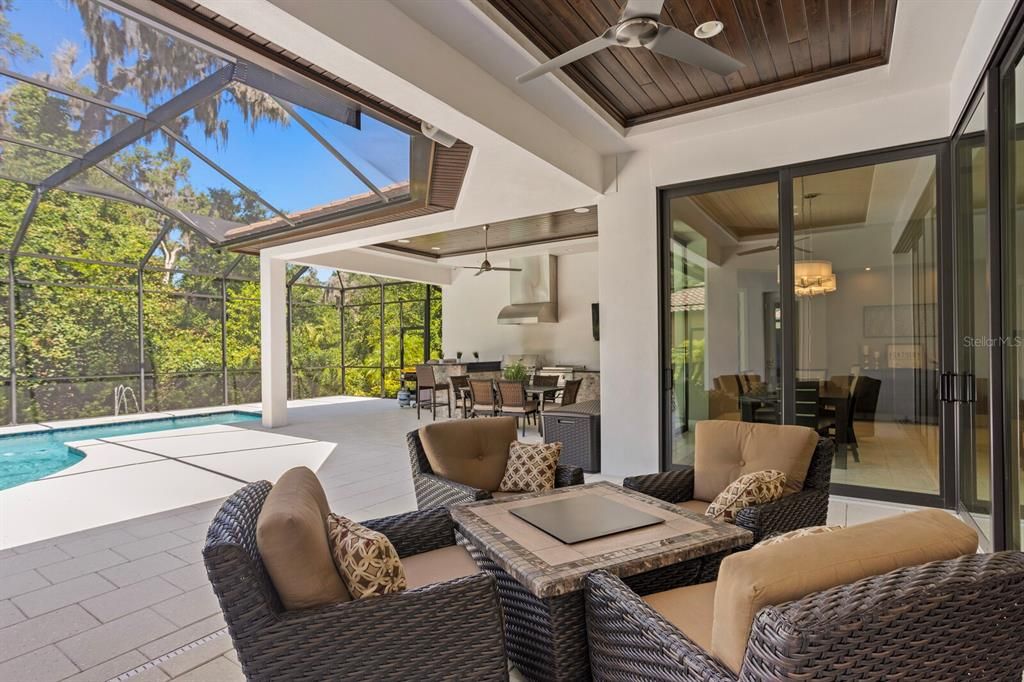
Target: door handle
x=971 y=392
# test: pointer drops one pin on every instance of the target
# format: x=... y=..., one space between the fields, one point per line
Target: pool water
x=26 y=457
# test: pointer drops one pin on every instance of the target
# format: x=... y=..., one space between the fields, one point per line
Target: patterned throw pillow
x=531 y=467
x=798 y=533
x=366 y=559
x=758 y=487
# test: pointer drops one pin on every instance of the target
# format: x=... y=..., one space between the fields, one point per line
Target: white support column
x=273 y=341
x=628 y=292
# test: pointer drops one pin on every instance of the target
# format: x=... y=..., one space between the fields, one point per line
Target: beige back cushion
x=470 y=451
x=725 y=450
x=291 y=535
x=750 y=581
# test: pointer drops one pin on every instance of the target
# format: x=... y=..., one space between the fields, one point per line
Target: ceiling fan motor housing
x=635 y=32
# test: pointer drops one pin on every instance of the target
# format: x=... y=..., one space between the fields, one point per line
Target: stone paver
x=121 y=602
x=73 y=568
x=20 y=583
x=128 y=573
x=62 y=594
x=217 y=670
x=42 y=665
x=115 y=638
x=9 y=614
x=34 y=633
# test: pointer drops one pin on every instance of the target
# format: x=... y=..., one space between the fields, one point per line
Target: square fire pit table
x=540 y=578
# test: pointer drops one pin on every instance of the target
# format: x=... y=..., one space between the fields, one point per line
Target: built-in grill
x=563 y=372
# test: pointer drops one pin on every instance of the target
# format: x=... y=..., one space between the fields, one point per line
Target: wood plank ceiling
x=784 y=43
x=539 y=229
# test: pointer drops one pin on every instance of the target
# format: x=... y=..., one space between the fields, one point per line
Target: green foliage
x=515 y=372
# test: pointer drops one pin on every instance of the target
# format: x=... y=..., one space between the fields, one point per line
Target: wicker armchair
x=960 y=619
x=809 y=507
x=447 y=630
x=434 y=491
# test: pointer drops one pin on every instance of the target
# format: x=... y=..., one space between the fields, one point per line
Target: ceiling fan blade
x=671 y=42
x=761 y=250
x=797 y=248
x=469 y=267
x=641 y=8
x=506 y=269
x=479 y=272
x=587 y=48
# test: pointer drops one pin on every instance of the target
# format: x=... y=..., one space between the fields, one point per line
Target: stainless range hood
x=533 y=293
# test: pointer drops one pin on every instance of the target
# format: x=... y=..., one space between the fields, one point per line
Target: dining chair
x=427 y=383
x=515 y=404
x=459 y=399
x=545 y=381
x=570 y=391
x=481 y=393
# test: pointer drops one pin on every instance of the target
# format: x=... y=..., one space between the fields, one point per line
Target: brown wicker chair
x=481 y=393
x=433 y=490
x=809 y=507
x=442 y=631
x=950 y=620
x=459 y=399
x=515 y=404
x=426 y=382
x=570 y=391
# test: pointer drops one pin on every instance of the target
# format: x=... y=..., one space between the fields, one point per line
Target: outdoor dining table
x=542 y=392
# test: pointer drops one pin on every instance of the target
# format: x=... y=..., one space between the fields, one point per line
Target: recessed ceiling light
x=867 y=269
x=403 y=241
x=582 y=209
x=709 y=29
x=435 y=248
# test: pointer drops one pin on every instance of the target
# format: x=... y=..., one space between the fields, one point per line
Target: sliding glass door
x=721 y=310
x=858 y=357
x=1013 y=309
x=974 y=346
x=867 y=352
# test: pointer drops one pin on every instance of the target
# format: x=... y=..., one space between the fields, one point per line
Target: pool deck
x=128 y=591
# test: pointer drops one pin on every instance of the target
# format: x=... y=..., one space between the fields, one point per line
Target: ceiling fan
x=773 y=248
x=486 y=265
x=638 y=26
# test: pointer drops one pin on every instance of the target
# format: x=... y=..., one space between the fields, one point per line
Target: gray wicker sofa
x=950 y=619
x=807 y=507
x=480 y=450
x=440 y=631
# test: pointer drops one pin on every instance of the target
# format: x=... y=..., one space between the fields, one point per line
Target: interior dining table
x=834 y=397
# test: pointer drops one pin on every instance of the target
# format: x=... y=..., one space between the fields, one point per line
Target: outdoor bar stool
x=427 y=382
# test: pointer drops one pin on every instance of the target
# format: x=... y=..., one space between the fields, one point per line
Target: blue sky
x=282 y=162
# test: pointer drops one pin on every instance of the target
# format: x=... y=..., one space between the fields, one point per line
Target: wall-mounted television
x=595 y=320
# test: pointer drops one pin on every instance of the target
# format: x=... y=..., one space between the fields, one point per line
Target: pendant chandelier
x=813 y=277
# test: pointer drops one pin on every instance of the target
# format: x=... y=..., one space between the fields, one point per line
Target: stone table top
x=548 y=567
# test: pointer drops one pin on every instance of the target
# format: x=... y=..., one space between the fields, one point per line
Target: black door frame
x=783 y=176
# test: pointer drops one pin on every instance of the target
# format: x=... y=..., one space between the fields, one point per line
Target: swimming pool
x=26 y=457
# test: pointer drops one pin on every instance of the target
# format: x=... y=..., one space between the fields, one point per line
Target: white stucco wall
x=471 y=306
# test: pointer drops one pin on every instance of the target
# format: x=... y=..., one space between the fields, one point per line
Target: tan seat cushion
x=470 y=451
x=725 y=450
x=696 y=506
x=750 y=581
x=291 y=535
x=438 y=565
x=690 y=608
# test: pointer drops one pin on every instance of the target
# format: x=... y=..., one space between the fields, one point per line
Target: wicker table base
x=546 y=639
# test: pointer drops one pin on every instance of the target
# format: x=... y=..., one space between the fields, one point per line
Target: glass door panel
x=973 y=319
x=723 y=327
x=867 y=362
x=1013 y=97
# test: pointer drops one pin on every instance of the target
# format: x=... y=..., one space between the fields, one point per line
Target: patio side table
x=540 y=579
